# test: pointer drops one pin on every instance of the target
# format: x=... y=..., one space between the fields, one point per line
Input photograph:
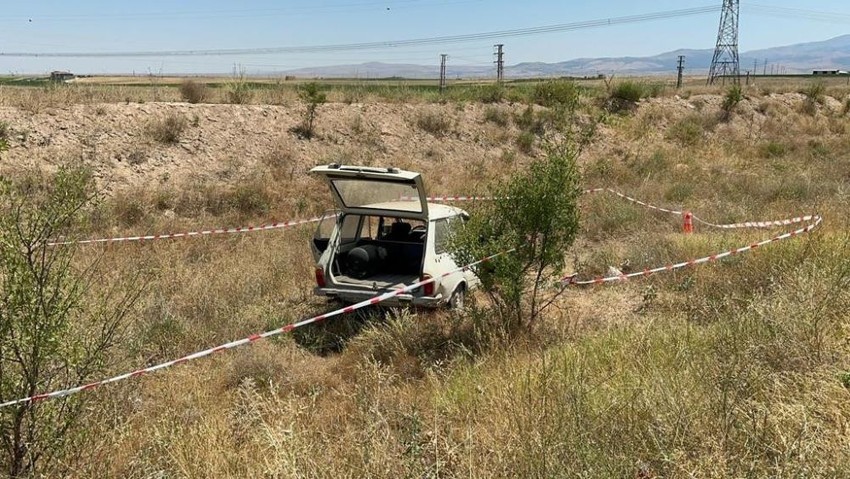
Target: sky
x=94 y=26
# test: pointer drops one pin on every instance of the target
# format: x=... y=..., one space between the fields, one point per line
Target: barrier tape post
x=688 y=225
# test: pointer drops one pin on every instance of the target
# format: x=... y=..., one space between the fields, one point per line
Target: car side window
x=348 y=232
x=441 y=236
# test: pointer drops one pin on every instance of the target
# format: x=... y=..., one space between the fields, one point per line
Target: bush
x=628 y=91
x=497 y=115
x=169 y=129
x=625 y=95
x=773 y=149
x=814 y=94
x=49 y=340
x=193 y=92
x=494 y=93
x=525 y=142
x=689 y=131
x=535 y=217
x=312 y=97
x=436 y=123
x=239 y=90
x=733 y=97
x=556 y=93
x=530 y=122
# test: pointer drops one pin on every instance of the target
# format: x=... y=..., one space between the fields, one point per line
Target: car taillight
x=427 y=288
x=320 y=277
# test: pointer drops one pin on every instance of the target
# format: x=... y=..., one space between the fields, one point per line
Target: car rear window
x=356 y=193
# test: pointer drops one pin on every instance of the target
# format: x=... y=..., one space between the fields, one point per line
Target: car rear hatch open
x=376 y=191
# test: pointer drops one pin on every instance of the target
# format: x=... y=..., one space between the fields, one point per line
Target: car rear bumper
x=404 y=299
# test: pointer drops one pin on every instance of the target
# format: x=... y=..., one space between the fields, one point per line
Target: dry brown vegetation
x=728 y=370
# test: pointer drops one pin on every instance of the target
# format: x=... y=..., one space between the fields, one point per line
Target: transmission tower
x=443 y=57
x=725 y=62
x=500 y=62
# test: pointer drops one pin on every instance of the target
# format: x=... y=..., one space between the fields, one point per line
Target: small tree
x=733 y=97
x=47 y=340
x=536 y=217
x=193 y=92
x=312 y=97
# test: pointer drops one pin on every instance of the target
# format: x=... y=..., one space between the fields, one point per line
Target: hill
x=799 y=58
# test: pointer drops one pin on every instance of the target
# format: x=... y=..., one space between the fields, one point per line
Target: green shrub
x=628 y=91
x=58 y=327
x=530 y=121
x=556 y=93
x=625 y=95
x=169 y=129
x=312 y=96
x=773 y=149
x=690 y=130
x=525 y=142
x=815 y=92
x=733 y=97
x=679 y=192
x=238 y=89
x=498 y=116
x=193 y=92
x=536 y=217
x=494 y=93
x=250 y=199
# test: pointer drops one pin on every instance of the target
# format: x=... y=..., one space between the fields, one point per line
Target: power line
x=440 y=40
x=246 y=13
x=818 y=15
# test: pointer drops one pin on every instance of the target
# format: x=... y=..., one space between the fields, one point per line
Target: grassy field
x=734 y=369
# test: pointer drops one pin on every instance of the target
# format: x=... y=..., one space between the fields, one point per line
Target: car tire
x=457 y=302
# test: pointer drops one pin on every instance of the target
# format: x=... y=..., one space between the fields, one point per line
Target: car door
x=443 y=259
x=322 y=235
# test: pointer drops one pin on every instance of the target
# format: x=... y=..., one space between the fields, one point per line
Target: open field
x=734 y=369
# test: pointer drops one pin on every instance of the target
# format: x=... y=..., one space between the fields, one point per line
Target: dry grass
x=727 y=370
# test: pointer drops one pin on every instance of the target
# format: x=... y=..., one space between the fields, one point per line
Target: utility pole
x=755 y=67
x=500 y=62
x=681 y=69
x=764 y=72
x=725 y=61
x=443 y=58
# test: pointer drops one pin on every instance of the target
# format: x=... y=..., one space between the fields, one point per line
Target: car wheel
x=458 y=299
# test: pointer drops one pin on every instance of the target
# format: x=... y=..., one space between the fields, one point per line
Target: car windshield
x=359 y=193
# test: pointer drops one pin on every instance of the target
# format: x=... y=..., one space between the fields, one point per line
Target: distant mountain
x=800 y=58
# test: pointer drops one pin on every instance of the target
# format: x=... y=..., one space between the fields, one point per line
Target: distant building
x=60 y=76
x=830 y=72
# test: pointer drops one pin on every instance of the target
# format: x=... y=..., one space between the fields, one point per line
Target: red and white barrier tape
x=241 y=342
x=758 y=224
x=190 y=234
x=634 y=200
x=438 y=199
x=748 y=224
x=566 y=281
x=572 y=281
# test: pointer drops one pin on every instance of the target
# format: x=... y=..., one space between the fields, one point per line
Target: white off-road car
x=385 y=235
